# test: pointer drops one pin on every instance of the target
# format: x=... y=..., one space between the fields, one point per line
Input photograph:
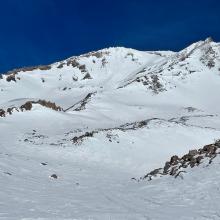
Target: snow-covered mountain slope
x=97 y=120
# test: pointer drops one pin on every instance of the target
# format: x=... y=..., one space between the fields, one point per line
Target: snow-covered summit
x=74 y=133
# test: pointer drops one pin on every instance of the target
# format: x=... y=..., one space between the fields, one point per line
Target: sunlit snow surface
x=94 y=177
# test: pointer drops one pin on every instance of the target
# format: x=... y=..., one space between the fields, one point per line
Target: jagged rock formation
x=176 y=166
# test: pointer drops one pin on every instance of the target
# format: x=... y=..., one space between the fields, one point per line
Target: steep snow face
x=76 y=76
x=118 y=113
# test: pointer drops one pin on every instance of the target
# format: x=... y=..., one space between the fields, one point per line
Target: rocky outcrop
x=176 y=166
x=77 y=140
x=2 y=113
x=75 y=62
x=48 y=104
x=87 y=76
x=81 y=105
x=84 y=102
x=209 y=56
x=28 y=106
x=11 y=75
x=97 y=54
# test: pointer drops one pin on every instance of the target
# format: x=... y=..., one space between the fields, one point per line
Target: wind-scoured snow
x=122 y=113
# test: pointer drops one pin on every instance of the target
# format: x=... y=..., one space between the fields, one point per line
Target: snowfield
x=77 y=134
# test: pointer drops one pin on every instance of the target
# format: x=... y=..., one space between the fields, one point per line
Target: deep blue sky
x=43 y=31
